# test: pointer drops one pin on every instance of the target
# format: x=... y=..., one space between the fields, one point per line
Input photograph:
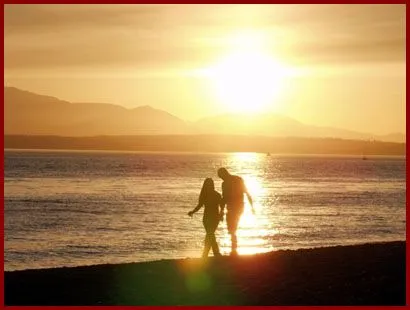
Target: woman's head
x=208 y=185
x=207 y=188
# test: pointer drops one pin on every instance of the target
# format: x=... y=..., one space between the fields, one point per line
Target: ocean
x=74 y=208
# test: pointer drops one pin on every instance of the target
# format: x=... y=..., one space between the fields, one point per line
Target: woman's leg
x=207 y=241
x=212 y=239
x=214 y=245
x=207 y=246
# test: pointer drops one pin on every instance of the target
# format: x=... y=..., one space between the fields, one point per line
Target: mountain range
x=27 y=113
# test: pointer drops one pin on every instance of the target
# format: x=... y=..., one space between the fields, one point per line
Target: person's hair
x=222 y=172
x=207 y=188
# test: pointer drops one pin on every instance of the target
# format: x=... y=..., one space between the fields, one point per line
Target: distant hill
x=27 y=113
x=282 y=126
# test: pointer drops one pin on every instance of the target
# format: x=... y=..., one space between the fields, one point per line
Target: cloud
x=39 y=37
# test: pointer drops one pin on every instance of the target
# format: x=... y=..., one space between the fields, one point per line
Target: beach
x=367 y=274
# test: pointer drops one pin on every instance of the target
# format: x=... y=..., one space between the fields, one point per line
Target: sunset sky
x=328 y=65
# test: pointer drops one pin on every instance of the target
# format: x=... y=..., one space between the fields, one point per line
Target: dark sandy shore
x=370 y=274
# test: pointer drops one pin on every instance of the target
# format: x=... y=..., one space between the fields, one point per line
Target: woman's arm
x=199 y=206
x=221 y=206
x=221 y=211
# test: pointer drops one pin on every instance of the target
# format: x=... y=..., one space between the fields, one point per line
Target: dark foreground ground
x=370 y=274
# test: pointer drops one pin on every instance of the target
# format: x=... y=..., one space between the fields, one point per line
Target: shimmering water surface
x=67 y=208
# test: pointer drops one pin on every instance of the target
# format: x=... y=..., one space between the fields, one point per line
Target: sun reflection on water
x=252 y=230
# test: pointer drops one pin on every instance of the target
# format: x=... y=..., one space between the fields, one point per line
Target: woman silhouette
x=212 y=200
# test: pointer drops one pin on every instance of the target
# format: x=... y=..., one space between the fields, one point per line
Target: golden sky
x=328 y=65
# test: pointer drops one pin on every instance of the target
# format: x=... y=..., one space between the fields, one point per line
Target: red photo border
x=198 y=2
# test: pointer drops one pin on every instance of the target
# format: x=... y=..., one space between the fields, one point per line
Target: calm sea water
x=79 y=208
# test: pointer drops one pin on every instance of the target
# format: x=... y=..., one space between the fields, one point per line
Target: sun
x=248 y=79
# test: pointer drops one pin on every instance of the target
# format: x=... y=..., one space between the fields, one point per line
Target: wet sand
x=369 y=274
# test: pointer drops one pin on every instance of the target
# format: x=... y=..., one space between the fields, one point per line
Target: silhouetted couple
x=233 y=190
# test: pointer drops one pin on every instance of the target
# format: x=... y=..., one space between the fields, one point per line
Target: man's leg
x=232 y=220
x=234 y=241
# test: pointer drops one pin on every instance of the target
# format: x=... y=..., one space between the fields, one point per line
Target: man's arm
x=245 y=189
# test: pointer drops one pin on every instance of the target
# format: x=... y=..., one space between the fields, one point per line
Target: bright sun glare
x=247 y=79
x=252 y=227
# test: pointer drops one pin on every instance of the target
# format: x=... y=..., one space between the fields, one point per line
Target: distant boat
x=364 y=157
x=267 y=154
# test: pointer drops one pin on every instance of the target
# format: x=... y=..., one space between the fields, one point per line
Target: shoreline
x=275 y=155
x=155 y=260
x=365 y=274
x=209 y=143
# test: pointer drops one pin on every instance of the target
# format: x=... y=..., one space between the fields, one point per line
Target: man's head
x=223 y=173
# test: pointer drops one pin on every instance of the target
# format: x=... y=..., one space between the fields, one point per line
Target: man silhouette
x=233 y=190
